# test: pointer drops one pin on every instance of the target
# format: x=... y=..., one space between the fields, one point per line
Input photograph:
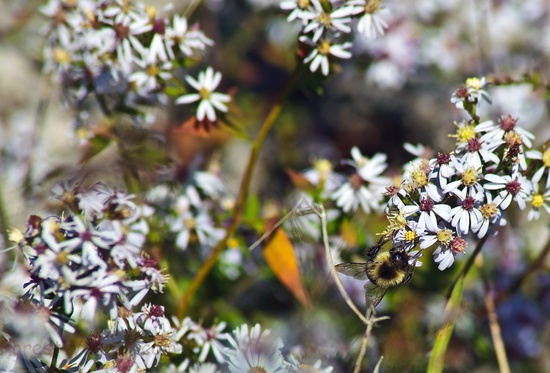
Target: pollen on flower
x=233 y=243
x=513 y=138
x=324 y=19
x=410 y=236
x=324 y=47
x=62 y=258
x=469 y=177
x=205 y=93
x=61 y=56
x=15 y=235
x=546 y=158
x=190 y=223
x=538 y=200
x=445 y=236
x=256 y=369
x=419 y=177
x=152 y=71
x=458 y=245
x=464 y=132
x=488 y=210
x=303 y=4
x=323 y=167
x=397 y=222
x=474 y=83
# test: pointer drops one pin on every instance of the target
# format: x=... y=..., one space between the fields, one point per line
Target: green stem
x=207 y=266
x=468 y=264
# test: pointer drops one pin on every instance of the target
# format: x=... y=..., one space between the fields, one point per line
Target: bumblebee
x=381 y=270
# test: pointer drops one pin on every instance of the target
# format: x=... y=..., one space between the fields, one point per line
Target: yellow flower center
x=152 y=71
x=61 y=56
x=62 y=258
x=233 y=243
x=474 y=83
x=151 y=12
x=15 y=235
x=205 y=93
x=465 y=132
x=538 y=200
x=546 y=158
x=469 y=177
x=190 y=223
x=419 y=177
x=488 y=210
x=410 y=236
x=372 y=6
x=324 y=47
x=445 y=236
x=513 y=138
x=303 y=4
x=324 y=19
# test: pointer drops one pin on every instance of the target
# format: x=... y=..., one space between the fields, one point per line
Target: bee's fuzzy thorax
x=382 y=272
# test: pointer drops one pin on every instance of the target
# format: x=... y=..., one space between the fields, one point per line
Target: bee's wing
x=355 y=270
x=373 y=294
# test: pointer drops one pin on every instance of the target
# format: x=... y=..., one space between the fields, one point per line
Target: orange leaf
x=279 y=255
x=299 y=180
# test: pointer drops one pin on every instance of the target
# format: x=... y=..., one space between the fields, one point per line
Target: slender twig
x=532 y=268
x=371 y=320
x=468 y=264
x=207 y=266
x=320 y=211
x=53 y=364
x=494 y=325
x=3 y=219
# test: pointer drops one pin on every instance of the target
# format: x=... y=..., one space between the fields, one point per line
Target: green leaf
x=94 y=147
x=437 y=358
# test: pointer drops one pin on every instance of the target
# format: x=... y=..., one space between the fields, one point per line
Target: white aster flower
x=466 y=216
x=537 y=200
x=320 y=21
x=445 y=256
x=510 y=187
x=365 y=187
x=545 y=166
x=300 y=9
x=323 y=49
x=254 y=351
x=505 y=125
x=372 y=23
x=187 y=40
x=428 y=211
x=207 y=82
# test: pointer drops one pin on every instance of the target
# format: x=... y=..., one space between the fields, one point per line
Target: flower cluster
x=90 y=261
x=190 y=213
x=325 y=23
x=126 y=54
x=254 y=350
x=444 y=198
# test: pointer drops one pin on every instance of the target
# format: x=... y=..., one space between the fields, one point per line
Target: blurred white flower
x=207 y=82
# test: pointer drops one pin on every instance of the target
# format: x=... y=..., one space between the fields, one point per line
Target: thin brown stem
x=494 y=326
x=207 y=266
